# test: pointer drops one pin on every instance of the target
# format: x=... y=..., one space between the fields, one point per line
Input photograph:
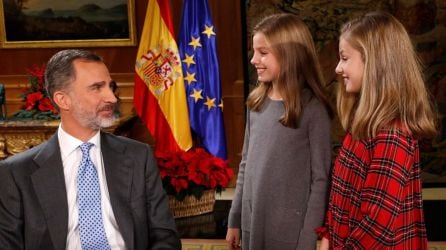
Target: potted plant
x=36 y=102
x=191 y=178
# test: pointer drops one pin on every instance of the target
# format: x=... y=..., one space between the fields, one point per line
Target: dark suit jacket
x=33 y=200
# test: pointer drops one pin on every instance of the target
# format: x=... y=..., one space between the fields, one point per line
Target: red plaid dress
x=375 y=200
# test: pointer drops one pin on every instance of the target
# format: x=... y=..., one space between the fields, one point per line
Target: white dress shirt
x=71 y=158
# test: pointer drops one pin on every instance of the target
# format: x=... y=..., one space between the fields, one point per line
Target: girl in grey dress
x=281 y=191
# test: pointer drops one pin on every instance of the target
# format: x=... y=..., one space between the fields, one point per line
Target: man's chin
x=107 y=122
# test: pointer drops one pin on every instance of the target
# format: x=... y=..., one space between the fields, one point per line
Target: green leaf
x=181 y=195
x=197 y=191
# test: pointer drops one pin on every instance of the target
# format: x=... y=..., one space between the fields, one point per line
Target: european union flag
x=201 y=76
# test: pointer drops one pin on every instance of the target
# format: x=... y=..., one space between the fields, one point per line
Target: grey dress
x=282 y=184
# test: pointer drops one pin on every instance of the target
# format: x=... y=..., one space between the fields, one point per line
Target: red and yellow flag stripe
x=159 y=94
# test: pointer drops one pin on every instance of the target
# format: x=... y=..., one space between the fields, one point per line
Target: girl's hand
x=233 y=238
x=324 y=244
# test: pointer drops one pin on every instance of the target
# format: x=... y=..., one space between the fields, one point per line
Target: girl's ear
x=62 y=100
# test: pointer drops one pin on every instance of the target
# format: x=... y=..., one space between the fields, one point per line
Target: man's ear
x=62 y=100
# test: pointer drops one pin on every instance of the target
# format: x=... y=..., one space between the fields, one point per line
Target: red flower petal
x=196 y=166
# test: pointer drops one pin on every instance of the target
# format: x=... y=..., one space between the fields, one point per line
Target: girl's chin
x=351 y=90
x=263 y=79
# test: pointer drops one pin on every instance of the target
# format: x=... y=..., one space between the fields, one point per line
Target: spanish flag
x=159 y=94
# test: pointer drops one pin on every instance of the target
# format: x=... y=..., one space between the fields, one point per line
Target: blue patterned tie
x=91 y=227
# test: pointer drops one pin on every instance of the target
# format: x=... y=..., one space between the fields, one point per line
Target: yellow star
x=197 y=95
x=195 y=42
x=190 y=78
x=221 y=104
x=209 y=31
x=210 y=102
x=189 y=60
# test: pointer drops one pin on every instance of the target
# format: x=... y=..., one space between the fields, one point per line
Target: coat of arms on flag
x=160 y=68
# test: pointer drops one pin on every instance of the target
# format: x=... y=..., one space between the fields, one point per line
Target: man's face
x=92 y=99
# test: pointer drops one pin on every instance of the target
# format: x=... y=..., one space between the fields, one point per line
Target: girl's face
x=263 y=59
x=350 y=67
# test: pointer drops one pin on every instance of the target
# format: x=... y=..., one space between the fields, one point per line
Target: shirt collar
x=68 y=144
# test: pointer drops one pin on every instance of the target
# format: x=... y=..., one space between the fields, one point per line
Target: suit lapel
x=118 y=171
x=49 y=184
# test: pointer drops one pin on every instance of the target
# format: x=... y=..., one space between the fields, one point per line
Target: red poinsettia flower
x=45 y=104
x=185 y=171
x=37 y=104
x=32 y=99
x=179 y=183
x=38 y=72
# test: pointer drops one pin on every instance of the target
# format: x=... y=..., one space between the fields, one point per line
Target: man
x=83 y=188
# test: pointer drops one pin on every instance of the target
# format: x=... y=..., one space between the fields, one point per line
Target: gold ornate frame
x=129 y=41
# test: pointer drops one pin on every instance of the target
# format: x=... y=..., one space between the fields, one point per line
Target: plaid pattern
x=375 y=200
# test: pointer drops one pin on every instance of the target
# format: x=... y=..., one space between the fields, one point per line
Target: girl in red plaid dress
x=375 y=200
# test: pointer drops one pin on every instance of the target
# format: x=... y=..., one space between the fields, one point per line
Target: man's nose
x=109 y=96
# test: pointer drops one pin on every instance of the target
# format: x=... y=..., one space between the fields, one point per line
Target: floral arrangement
x=36 y=102
x=192 y=172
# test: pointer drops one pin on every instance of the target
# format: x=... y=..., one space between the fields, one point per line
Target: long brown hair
x=291 y=43
x=393 y=90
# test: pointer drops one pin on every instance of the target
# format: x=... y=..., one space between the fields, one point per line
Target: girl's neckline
x=275 y=100
x=274 y=95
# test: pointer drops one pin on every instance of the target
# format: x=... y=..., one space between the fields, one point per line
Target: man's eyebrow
x=100 y=83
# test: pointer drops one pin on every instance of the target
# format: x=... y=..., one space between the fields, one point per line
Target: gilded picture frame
x=57 y=23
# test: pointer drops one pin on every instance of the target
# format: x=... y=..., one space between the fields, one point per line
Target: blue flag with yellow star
x=201 y=76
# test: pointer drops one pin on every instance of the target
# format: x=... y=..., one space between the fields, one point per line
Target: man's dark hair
x=60 y=71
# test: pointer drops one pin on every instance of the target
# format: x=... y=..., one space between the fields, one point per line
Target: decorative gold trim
x=17 y=143
x=18 y=136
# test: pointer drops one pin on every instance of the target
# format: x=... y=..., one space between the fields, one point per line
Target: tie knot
x=85 y=147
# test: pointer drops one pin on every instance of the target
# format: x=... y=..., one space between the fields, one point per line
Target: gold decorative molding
x=18 y=136
x=16 y=143
x=2 y=148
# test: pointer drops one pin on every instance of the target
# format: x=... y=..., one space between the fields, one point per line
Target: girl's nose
x=338 y=69
x=253 y=59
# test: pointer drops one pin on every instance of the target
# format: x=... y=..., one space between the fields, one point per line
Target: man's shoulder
x=122 y=141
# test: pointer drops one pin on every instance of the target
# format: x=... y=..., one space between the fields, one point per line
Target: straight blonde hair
x=393 y=91
x=291 y=43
